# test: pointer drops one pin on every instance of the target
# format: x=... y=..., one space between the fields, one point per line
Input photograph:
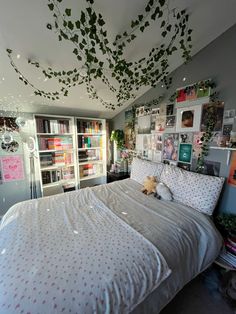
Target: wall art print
x=170 y=146
x=217 y=110
x=12 y=168
x=188 y=119
x=232 y=171
x=185 y=152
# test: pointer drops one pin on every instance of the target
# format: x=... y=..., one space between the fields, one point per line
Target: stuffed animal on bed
x=149 y=185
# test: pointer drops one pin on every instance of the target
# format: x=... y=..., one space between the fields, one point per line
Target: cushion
x=141 y=169
x=193 y=189
x=164 y=192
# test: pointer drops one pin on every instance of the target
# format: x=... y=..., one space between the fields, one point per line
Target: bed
x=106 y=249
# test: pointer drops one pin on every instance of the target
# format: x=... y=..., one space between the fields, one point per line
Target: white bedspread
x=71 y=254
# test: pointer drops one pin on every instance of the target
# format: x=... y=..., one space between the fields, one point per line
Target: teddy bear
x=149 y=185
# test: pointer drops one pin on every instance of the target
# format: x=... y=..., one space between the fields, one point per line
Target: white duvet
x=71 y=254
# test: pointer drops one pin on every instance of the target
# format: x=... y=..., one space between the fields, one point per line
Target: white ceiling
x=23 y=29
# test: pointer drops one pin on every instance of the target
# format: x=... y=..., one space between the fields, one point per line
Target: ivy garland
x=101 y=59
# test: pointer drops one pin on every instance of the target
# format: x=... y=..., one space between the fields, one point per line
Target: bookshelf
x=55 y=137
x=91 y=150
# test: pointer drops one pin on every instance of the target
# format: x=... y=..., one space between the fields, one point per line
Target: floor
x=201 y=296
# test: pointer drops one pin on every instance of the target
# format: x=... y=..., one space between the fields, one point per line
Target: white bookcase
x=91 y=147
x=71 y=152
x=56 y=143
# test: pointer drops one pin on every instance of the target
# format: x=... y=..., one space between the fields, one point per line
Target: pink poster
x=12 y=168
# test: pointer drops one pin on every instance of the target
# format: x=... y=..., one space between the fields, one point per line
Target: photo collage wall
x=172 y=132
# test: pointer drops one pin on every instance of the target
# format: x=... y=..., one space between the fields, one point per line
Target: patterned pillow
x=142 y=168
x=193 y=189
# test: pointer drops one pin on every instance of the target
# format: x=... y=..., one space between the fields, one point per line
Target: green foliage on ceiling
x=99 y=58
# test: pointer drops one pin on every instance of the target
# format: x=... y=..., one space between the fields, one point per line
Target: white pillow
x=164 y=192
x=193 y=189
x=140 y=169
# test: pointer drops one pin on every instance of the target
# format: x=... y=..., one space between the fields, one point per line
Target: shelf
x=54 y=167
x=55 y=150
x=92 y=177
x=89 y=134
x=61 y=182
x=91 y=162
x=223 y=148
x=86 y=148
x=54 y=134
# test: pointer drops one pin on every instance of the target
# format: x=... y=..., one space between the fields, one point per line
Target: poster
x=12 y=168
x=186 y=138
x=129 y=129
x=170 y=146
x=185 y=152
x=232 y=170
x=197 y=144
x=188 y=120
x=217 y=110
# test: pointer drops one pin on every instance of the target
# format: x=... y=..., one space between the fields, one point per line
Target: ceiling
x=23 y=29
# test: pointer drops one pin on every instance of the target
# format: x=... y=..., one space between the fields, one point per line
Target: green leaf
x=82 y=18
x=142 y=28
x=70 y=25
x=75 y=51
x=163 y=34
x=77 y=24
x=51 y=6
x=68 y=12
x=162 y=2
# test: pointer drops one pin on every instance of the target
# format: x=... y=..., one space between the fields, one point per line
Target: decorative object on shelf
x=103 y=56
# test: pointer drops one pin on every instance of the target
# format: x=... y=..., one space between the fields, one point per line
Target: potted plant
x=227 y=225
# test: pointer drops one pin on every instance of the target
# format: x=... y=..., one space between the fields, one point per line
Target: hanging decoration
x=101 y=59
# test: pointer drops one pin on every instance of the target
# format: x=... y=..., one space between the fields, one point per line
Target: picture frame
x=188 y=119
x=185 y=153
x=217 y=110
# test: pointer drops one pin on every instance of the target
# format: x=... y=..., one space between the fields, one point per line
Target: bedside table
x=113 y=176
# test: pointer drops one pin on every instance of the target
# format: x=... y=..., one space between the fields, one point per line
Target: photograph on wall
x=12 y=168
x=162 y=109
x=144 y=124
x=160 y=123
x=197 y=144
x=129 y=130
x=170 y=122
x=188 y=119
x=211 y=168
x=139 y=111
x=186 y=138
x=156 y=141
x=184 y=166
x=227 y=128
x=170 y=110
x=192 y=95
x=216 y=110
x=170 y=146
x=232 y=170
x=155 y=111
x=185 y=152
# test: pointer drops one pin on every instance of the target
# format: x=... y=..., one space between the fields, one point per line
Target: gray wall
x=16 y=191
x=216 y=61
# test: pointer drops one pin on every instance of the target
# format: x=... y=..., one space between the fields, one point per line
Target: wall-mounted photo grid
x=173 y=132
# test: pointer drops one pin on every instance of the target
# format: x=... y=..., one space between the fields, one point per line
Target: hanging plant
x=117 y=136
x=207 y=136
x=100 y=58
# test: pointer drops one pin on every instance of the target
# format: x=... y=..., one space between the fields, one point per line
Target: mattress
x=177 y=238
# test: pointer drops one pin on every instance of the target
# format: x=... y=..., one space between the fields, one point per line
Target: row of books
x=90 y=169
x=229 y=254
x=89 y=141
x=55 y=143
x=89 y=126
x=57 y=158
x=51 y=176
x=52 y=126
x=92 y=154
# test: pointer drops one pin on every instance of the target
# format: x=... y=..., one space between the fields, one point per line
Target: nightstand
x=113 y=176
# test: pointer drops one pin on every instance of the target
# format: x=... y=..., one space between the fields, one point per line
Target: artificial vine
x=102 y=59
x=117 y=136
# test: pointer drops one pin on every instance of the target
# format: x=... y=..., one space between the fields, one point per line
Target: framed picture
x=160 y=123
x=139 y=111
x=170 y=146
x=217 y=110
x=185 y=152
x=169 y=110
x=188 y=119
x=144 y=124
x=186 y=138
x=197 y=144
